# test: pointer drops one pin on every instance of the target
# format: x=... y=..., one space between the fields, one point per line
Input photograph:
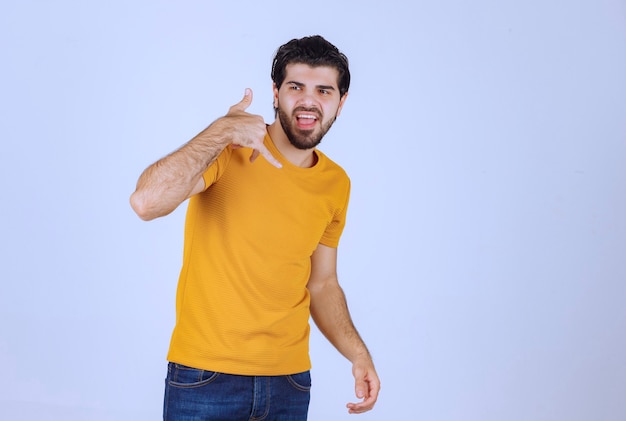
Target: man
x=260 y=250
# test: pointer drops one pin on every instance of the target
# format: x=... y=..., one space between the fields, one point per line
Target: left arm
x=330 y=313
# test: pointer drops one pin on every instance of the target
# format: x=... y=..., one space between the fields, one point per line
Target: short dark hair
x=314 y=51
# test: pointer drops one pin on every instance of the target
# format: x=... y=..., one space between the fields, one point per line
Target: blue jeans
x=194 y=395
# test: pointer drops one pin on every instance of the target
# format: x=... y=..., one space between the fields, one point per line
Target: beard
x=303 y=139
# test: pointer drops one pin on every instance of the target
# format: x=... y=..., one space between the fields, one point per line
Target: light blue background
x=485 y=254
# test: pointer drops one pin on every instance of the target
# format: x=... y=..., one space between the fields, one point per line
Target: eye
x=294 y=87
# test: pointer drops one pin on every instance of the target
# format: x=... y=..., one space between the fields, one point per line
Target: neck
x=304 y=158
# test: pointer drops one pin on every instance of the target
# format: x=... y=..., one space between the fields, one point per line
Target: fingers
x=270 y=158
x=251 y=130
x=369 y=399
x=244 y=103
x=262 y=150
x=366 y=387
x=361 y=407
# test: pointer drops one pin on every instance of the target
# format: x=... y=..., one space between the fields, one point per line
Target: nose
x=307 y=99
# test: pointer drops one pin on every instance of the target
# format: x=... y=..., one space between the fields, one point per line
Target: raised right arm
x=171 y=180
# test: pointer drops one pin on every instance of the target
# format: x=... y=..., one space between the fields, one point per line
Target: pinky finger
x=270 y=158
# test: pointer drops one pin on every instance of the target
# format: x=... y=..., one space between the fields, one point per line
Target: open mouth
x=306 y=120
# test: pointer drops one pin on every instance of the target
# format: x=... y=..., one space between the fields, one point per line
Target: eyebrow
x=300 y=84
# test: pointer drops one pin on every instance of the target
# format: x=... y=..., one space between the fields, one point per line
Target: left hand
x=367 y=385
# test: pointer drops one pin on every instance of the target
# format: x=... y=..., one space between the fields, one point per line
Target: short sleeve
x=217 y=167
x=333 y=231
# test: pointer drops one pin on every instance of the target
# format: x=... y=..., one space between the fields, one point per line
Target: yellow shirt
x=242 y=306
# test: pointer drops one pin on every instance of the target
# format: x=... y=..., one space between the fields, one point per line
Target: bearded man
x=260 y=249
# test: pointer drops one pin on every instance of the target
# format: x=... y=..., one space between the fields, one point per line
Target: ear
x=275 y=90
x=341 y=102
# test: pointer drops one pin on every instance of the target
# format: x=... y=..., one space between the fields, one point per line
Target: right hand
x=249 y=130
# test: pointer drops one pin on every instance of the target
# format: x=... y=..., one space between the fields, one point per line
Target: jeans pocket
x=182 y=376
x=300 y=381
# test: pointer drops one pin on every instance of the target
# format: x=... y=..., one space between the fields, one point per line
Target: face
x=308 y=103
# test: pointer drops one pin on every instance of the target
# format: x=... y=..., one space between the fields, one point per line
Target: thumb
x=361 y=388
x=244 y=103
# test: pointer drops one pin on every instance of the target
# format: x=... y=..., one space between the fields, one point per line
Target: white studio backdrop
x=484 y=257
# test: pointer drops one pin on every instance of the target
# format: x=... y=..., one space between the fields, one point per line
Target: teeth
x=307 y=116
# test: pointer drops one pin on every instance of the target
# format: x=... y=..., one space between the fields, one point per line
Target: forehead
x=318 y=75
